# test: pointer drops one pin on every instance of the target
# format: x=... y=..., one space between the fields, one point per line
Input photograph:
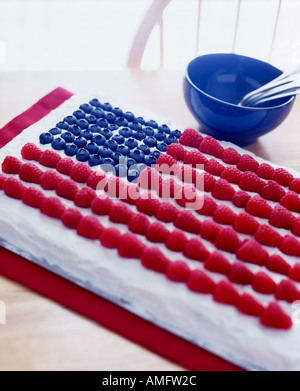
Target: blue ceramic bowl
x=213 y=86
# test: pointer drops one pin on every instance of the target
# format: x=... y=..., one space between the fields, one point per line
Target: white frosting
x=218 y=328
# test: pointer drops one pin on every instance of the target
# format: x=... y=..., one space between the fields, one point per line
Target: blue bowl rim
x=247 y=108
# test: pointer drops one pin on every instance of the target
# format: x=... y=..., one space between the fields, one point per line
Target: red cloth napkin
x=86 y=303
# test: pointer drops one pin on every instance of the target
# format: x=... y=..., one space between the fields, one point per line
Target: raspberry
x=231 y=156
x=277 y=264
x=291 y=201
x=287 y=291
x=282 y=176
x=272 y=191
x=97 y=180
x=252 y=252
x=110 y=237
x=156 y=232
x=208 y=206
x=176 y=240
x=71 y=217
x=227 y=240
x=13 y=188
x=139 y=223
x=247 y=163
x=194 y=249
x=295 y=185
x=191 y=138
x=66 y=188
x=251 y=182
x=216 y=262
x=280 y=217
x=223 y=190
x=178 y=271
x=64 y=166
x=296 y=226
x=214 y=167
x=249 y=306
x=120 y=213
x=49 y=180
x=168 y=188
x=268 y=236
x=130 y=194
x=32 y=197
x=240 y=199
x=101 y=205
x=195 y=159
x=166 y=212
x=224 y=215
x=225 y=293
x=187 y=197
x=273 y=316
x=89 y=227
x=265 y=171
x=186 y=221
x=257 y=206
x=240 y=274
x=154 y=259
x=114 y=187
x=149 y=179
x=11 y=165
x=294 y=272
x=147 y=204
x=209 y=230
x=30 y=173
x=80 y=172
x=245 y=223
x=205 y=181
x=2 y=181
x=52 y=207
x=211 y=146
x=187 y=174
x=200 y=282
x=49 y=159
x=232 y=175
x=263 y=283
x=290 y=246
x=84 y=197
x=166 y=164
x=31 y=152
x=176 y=151
x=130 y=246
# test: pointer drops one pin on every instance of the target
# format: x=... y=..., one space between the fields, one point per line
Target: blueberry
x=80 y=142
x=110 y=117
x=144 y=149
x=55 y=131
x=58 y=143
x=98 y=112
x=160 y=135
x=46 y=138
x=148 y=131
x=98 y=139
x=102 y=122
x=149 y=160
x=87 y=134
x=94 y=160
x=91 y=119
x=132 y=175
x=140 y=120
x=129 y=116
x=86 y=108
x=151 y=123
x=79 y=114
x=106 y=133
x=92 y=148
x=123 y=150
x=68 y=137
x=137 y=155
x=150 y=141
x=94 y=102
x=140 y=167
x=162 y=147
x=82 y=155
x=70 y=120
x=139 y=135
x=121 y=170
x=117 y=111
x=125 y=132
x=165 y=128
x=131 y=143
x=130 y=162
x=105 y=152
x=118 y=157
x=71 y=149
x=112 y=127
x=171 y=139
x=111 y=144
x=121 y=121
x=106 y=106
x=177 y=133
x=94 y=128
x=135 y=126
x=74 y=129
x=108 y=164
x=118 y=138
x=62 y=125
x=83 y=124
x=156 y=154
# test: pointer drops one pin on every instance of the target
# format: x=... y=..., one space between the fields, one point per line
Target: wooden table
x=42 y=335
